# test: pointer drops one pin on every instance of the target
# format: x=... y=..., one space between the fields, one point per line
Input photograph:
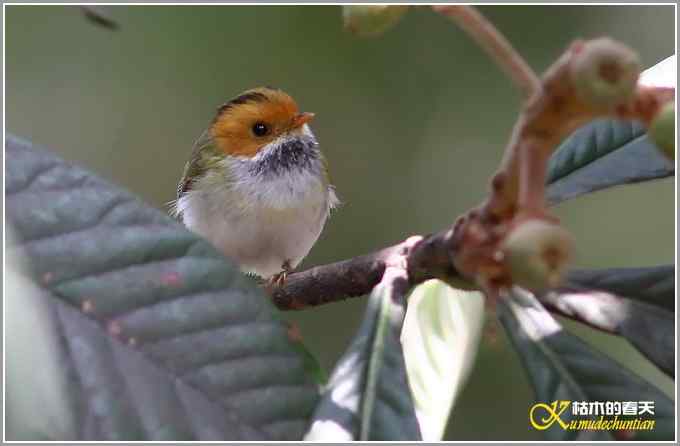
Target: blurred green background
x=413 y=123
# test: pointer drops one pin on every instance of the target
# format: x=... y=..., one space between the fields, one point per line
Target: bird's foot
x=278 y=280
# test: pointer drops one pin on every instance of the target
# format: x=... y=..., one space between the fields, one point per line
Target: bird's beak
x=302 y=119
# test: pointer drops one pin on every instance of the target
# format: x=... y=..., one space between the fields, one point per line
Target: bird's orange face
x=247 y=123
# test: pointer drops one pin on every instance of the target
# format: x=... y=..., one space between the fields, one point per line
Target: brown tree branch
x=423 y=258
x=494 y=43
x=510 y=239
x=333 y=282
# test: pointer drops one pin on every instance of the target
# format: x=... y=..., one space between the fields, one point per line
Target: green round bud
x=662 y=130
x=536 y=253
x=371 y=20
x=604 y=72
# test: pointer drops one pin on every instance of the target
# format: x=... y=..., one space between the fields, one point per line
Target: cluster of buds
x=511 y=239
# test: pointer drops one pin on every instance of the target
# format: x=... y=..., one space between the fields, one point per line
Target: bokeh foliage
x=413 y=123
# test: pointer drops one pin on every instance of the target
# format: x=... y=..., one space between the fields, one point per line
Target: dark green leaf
x=368 y=394
x=649 y=328
x=162 y=337
x=563 y=367
x=636 y=303
x=653 y=285
x=602 y=154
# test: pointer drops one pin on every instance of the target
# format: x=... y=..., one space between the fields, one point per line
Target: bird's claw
x=278 y=280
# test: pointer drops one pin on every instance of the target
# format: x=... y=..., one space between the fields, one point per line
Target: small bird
x=257 y=185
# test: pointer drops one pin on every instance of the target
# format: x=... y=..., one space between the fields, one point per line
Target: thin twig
x=494 y=43
x=99 y=17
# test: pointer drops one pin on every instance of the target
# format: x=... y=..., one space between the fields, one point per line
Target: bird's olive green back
x=204 y=155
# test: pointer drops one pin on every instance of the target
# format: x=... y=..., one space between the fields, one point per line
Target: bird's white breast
x=260 y=223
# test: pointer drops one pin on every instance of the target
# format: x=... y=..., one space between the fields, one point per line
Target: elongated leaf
x=653 y=285
x=36 y=384
x=162 y=337
x=649 y=328
x=636 y=303
x=563 y=367
x=440 y=337
x=368 y=394
x=602 y=154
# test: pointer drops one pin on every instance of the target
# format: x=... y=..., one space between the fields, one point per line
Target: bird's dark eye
x=260 y=128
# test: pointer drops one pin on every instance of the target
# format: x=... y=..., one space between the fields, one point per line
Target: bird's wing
x=194 y=168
